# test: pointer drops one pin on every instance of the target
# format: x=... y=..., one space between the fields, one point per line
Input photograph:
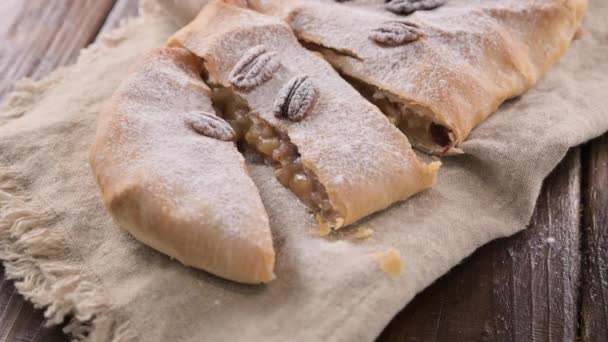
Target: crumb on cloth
x=390 y=262
x=363 y=233
x=324 y=229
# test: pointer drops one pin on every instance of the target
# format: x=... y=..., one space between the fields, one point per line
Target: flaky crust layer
x=180 y=192
x=363 y=161
x=474 y=54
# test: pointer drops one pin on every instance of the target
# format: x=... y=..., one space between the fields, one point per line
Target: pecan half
x=410 y=6
x=255 y=67
x=296 y=99
x=210 y=125
x=394 y=33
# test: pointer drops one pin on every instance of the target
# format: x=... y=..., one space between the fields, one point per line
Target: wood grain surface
x=528 y=287
x=594 y=306
x=37 y=36
x=521 y=288
x=122 y=10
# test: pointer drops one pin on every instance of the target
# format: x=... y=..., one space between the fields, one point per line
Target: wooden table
x=548 y=283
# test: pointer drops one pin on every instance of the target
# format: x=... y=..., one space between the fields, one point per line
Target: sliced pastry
x=437 y=70
x=172 y=176
x=337 y=152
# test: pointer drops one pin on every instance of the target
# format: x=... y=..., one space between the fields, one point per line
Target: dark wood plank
x=37 y=36
x=19 y=321
x=594 y=306
x=122 y=9
x=522 y=288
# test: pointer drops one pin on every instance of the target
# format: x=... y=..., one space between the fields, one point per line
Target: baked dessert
x=441 y=70
x=172 y=176
x=165 y=156
x=337 y=152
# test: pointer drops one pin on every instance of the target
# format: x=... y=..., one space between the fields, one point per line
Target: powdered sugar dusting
x=342 y=134
x=144 y=140
x=475 y=54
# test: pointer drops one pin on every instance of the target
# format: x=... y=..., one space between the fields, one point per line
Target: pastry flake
x=390 y=262
x=363 y=233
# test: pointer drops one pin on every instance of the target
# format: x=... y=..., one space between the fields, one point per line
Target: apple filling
x=277 y=149
x=420 y=129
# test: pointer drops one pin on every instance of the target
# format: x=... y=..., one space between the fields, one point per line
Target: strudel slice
x=441 y=71
x=337 y=152
x=171 y=175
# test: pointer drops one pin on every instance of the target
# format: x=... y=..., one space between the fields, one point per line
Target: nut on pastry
x=171 y=175
x=336 y=152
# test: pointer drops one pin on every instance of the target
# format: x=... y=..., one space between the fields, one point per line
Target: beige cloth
x=60 y=244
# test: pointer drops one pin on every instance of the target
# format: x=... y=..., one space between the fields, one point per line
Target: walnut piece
x=394 y=33
x=255 y=67
x=410 y=6
x=210 y=125
x=296 y=99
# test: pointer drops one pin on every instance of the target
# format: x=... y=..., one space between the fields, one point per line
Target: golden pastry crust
x=471 y=58
x=172 y=187
x=364 y=162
